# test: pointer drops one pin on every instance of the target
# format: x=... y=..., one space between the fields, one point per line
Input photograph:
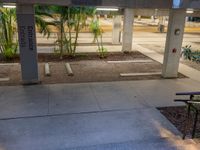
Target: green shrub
x=9 y=52
x=103 y=52
x=8 y=42
x=98 y=37
x=191 y=55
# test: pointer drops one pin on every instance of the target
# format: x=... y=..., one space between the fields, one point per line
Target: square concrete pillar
x=116 y=33
x=173 y=43
x=27 y=43
x=139 y=18
x=128 y=30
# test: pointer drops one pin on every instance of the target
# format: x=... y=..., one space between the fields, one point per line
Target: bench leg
x=195 y=124
x=187 y=122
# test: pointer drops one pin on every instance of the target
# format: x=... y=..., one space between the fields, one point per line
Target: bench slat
x=188 y=93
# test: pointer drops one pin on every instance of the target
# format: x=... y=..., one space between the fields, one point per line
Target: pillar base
x=169 y=77
x=126 y=52
x=32 y=82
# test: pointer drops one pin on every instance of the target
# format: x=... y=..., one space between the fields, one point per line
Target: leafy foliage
x=98 y=37
x=42 y=14
x=68 y=21
x=191 y=55
x=8 y=41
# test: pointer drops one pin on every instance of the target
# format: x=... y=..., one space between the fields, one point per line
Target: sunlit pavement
x=144 y=38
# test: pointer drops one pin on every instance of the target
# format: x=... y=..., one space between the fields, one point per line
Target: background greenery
x=68 y=22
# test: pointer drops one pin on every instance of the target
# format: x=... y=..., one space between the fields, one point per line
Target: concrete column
x=139 y=18
x=105 y=17
x=161 y=24
x=27 y=43
x=116 y=33
x=152 y=19
x=173 y=43
x=128 y=30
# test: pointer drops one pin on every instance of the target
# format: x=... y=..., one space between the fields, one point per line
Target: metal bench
x=191 y=106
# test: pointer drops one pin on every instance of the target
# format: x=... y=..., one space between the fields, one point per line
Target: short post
x=47 y=69
x=69 y=69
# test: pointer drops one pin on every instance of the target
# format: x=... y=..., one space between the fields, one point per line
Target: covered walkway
x=177 y=15
x=91 y=116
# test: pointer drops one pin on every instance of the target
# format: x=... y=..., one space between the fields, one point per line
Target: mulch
x=54 y=57
x=87 y=67
x=177 y=116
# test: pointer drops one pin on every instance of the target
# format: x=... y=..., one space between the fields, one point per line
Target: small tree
x=69 y=21
x=98 y=37
x=8 y=41
x=42 y=13
x=77 y=17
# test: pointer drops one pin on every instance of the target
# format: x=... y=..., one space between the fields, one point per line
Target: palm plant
x=47 y=16
x=98 y=37
x=75 y=22
x=187 y=53
x=69 y=21
x=66 y=20
x=8 y=41
x=59 y=19
x=42 y=14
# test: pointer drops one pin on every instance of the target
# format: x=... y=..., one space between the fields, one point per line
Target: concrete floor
x=90 y=116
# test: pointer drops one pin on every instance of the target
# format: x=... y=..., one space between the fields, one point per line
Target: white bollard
x=4 y=79
x=69 y=69
x=47 y=69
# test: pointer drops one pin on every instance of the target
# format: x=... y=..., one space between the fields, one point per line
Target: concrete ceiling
x=117 y=3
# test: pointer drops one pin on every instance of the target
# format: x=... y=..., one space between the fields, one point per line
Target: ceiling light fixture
x=9 y=6
x=190 y=11
x=107 y=9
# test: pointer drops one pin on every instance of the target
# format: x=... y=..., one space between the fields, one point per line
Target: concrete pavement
x=91 y=116
x=143 y=38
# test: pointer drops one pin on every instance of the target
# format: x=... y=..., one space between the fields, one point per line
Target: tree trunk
x=61 y=40
x=77 y=33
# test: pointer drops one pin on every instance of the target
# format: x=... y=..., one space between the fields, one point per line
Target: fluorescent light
x=108 y=9
x=190 y=11
x=9 y=6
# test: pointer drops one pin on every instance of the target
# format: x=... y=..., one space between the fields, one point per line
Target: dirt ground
x=177 y=116
x=86 y=68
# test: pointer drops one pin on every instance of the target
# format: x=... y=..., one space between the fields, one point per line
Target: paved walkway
x=91 y=116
